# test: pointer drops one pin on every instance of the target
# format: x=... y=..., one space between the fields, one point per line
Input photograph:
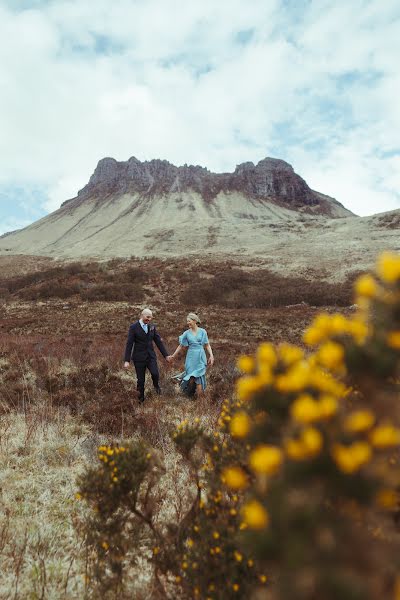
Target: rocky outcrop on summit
x=271 y=179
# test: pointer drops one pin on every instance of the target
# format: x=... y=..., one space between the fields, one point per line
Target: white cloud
x=318 y=83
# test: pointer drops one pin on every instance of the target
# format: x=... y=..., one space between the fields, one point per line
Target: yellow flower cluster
x=385 y=436
x=225 y=416
x=393 y=340
x=388 y=267
x=306 y=446
x=331 y=356
x=305 y=409
x=351 y=458
x=258 y=371
x=359 y=421
x=326 y=327
x=235 y=478
x=107 y=451
x=266 y=459
x=181 y=427
x=107 y=455
x=184 y=425
x=240 y=424
x=366 y=286
x=255 y=516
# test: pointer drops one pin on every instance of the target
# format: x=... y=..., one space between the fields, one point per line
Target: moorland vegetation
x=281 y=483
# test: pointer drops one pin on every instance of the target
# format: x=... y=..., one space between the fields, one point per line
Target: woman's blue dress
x=196 y=361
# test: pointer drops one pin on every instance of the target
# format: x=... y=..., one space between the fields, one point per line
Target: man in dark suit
x=139 y=349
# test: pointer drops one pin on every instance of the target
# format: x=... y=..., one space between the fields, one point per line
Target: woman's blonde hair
x=194 y=317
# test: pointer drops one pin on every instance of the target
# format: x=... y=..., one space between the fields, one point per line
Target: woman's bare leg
x=199 y=390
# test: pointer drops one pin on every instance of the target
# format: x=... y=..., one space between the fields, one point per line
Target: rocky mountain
x=271 y=179
x=154 y=208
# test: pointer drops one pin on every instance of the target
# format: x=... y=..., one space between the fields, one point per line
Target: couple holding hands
x=139 y=349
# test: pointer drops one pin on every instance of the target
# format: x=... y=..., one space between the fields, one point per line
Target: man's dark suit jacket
x=142 y=343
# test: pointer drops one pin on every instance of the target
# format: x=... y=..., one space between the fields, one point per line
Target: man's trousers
x=140 y=367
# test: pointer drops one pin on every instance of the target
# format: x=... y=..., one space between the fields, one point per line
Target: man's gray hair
x=194 y=317
x=146 y=311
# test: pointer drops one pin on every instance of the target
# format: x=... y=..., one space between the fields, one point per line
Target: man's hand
x=210 y=361
x=169 y=358
x=126 y=365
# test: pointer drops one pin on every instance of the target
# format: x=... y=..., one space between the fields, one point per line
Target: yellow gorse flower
x=290 y=354
x=266 y=459
x=385 y=436
x=266 y=355
x=305 y=409
x=295 y=379
x=325 y=382
x=331 y=355
x=359 y=421
x=318 y=331
x=366 y=286
x=308 y=445
x=240 y=424
x=255 y=515
x=351 y=458
x=326 y=326
x=328 y=406
x=388 y=267
x=247 y=386
x=234 y=477
x=246 y=364
x=393 y=340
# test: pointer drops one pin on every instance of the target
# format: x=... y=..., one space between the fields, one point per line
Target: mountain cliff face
x=271 y=179
x=157 y=209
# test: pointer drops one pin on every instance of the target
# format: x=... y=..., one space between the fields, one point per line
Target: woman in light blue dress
x=195 y=339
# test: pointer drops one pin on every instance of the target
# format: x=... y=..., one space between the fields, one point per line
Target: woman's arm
x=177 y=351
x=210 y=354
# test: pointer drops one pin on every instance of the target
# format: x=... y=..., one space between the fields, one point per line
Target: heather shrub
x=111 y=281
x=235 y=288
x=113 y=291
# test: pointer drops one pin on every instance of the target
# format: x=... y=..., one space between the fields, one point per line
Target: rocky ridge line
x=270 y=178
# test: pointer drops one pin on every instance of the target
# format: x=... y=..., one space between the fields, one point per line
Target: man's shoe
x=158 y=391
x=141 y=399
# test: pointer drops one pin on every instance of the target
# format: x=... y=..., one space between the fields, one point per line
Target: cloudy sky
x=209 y=82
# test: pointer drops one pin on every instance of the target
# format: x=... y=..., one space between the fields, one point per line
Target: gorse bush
x=195 y=557
x=121 y=494
x=323 y=455
x=295 y=494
